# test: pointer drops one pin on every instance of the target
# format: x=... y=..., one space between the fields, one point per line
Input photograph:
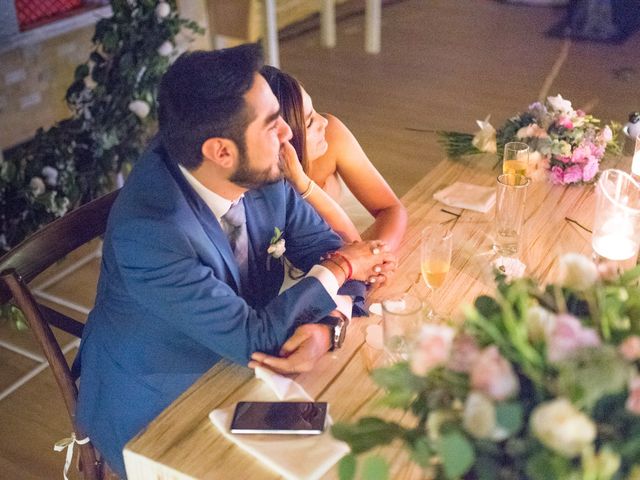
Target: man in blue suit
x=181 y=285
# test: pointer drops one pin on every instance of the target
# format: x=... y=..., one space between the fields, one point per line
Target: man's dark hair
x=201 y=96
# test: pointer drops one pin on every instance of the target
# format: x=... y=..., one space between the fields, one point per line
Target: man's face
x=261 y=162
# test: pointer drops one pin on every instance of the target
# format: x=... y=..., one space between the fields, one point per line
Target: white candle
x=614 y=240
x=614 y=247
x=635 y=165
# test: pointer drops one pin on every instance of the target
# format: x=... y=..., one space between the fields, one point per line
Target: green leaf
x=375 y=468
x=421 y=452
x=509 y=416
x=457 y=454
x=347 y=467
x=81 y=71
x=367 y=433
x=487 y=306
x=397 y=377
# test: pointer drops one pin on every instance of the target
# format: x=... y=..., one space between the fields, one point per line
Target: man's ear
x=222 y=151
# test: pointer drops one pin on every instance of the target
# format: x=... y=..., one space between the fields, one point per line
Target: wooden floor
x=444 y=64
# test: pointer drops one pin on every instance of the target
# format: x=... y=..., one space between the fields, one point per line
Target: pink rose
x=573 y=174
x=630 y=348
x=568 y=336
x=432 y=348
x=464 y=353
x=607 y=134
x=557 y=175
x=597 y=151
x=493 y=375
x=590 y=170
x=565 y=121
x=633 y=401
x=580 y=154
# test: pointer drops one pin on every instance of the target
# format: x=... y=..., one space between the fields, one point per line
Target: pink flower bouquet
x=566 y=145
x=540 y=383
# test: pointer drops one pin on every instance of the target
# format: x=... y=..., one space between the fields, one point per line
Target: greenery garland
x=112 y=98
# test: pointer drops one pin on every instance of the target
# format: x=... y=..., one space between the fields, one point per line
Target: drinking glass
x=401 y=320
x=516 y=158
x=510 y=202
x=435 y=257
x=616 y=226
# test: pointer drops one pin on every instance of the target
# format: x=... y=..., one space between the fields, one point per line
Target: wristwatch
x=339 y=330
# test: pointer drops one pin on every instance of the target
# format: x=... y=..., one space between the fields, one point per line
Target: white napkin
x=468 y=196
x=292 y=456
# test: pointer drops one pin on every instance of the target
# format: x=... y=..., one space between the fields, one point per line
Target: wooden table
x=182 y=443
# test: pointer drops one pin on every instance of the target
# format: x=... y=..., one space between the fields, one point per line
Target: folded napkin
x=468 y=196
x=292 y=456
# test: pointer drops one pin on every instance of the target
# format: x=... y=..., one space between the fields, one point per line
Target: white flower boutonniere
x=276 y=247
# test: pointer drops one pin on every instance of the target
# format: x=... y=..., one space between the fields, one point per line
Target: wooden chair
x=25 y=262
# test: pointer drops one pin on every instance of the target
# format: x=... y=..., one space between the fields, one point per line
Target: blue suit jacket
x=170 y=304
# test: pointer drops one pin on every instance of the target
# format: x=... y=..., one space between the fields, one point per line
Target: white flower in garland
x=50 y=175
x=140 y=108
x=163 y=10
x=166 y=49
x=37 y=186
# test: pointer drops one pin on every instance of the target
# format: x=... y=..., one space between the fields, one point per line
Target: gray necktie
x=236 y=229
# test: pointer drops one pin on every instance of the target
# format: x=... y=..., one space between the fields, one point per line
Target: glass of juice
x=435 y=257
x=516 y=158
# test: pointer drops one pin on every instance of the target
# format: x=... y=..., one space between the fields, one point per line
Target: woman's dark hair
x=202 y=96
x=288 y=91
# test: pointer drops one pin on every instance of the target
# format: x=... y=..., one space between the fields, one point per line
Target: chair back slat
x=57 y=239
x=25 y=262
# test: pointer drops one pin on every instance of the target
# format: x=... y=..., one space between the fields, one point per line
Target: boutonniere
x=276 y=247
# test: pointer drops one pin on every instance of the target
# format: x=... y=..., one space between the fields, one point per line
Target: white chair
x=373 y=11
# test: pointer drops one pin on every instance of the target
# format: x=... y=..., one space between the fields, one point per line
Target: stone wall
x=35 y=74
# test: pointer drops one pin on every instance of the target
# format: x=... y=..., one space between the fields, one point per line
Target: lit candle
x=635 y=165
x=615 y=240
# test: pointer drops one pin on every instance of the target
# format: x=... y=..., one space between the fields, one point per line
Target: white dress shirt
x=220 y=205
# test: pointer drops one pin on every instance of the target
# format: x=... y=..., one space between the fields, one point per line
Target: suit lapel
x=207 y=219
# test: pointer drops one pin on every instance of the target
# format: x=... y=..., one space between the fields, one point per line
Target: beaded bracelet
x=309 y=189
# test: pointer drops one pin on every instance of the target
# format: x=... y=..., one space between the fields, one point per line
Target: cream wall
x=34 y=75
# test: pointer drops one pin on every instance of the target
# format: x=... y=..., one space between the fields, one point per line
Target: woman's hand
x=371 y=261
x=293 y=171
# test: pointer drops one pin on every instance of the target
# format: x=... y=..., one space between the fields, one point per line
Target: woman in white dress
x=324 y=157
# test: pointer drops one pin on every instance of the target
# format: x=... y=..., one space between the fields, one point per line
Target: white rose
x=577 y=271
x=479 y=418
x=276 y=250
x=165 y=49
x=50 y=175
x=37 y=186
x=559 y=104
x=163 y=10
x=485 y=139
x=540 y=323
x=140 y=108
x=562 y=427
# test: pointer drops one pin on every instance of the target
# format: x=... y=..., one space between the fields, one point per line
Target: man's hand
x=299 y=353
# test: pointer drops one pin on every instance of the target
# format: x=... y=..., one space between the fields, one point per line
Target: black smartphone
x=300 y=418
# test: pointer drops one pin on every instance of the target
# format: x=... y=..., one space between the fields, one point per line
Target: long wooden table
x=182 y=443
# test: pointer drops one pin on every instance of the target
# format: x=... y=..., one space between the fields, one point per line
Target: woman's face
x=315 y=125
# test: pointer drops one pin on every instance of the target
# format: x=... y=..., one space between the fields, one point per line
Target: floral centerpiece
x=539 y=383
x=566 y=144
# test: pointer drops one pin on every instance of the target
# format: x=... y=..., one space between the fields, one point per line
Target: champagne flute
x=516 y=158
x=435 y=257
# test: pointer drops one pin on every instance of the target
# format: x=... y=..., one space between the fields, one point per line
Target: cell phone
x=299 y=418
